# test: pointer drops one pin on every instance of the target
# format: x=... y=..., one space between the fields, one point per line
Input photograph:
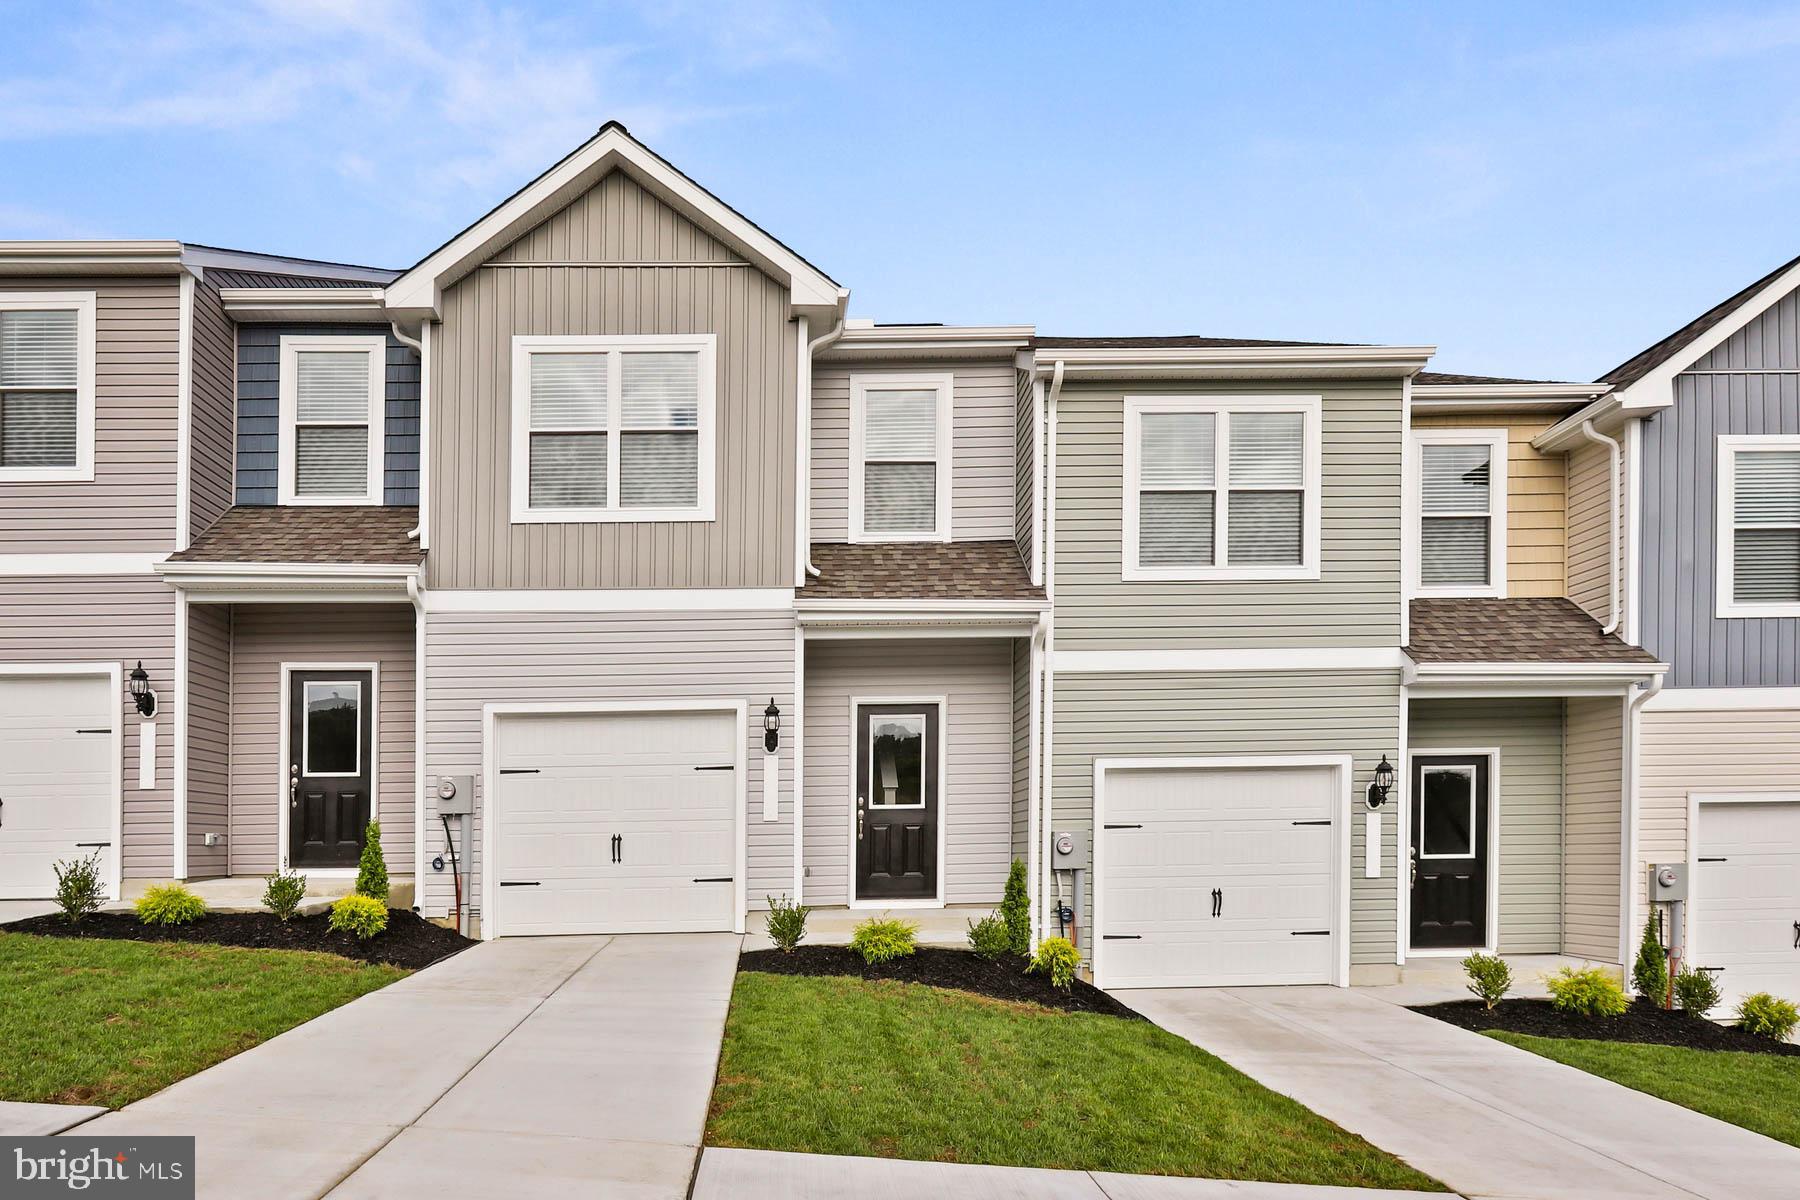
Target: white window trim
x=1725 y=538
x=704 y=344
x=1309 y=407
x=1497 y=443
x=291 y=345
x=944 y=384
x=83 y=304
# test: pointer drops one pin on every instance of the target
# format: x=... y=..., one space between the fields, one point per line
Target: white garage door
x=1219 y=876
x=1747 y=897
x=57 y=778
x=616 y=823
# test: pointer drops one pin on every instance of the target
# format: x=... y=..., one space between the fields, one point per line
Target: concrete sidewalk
x=19 y=1119
x=1488 y=1119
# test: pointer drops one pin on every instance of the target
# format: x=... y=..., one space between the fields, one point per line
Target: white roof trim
x=1511 y=397
x=253 y=580
x=999 y=618
x=1529 y=678
x=1120 y=362
x=302 y=304
x=957 y=340
x=105 y=258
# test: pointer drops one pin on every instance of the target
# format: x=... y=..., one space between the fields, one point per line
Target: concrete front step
x=244 y=893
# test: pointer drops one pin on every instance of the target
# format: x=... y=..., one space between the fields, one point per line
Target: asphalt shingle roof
x=920 y=571
x=309 y=534
x=1548 y=629
x=1651 y=357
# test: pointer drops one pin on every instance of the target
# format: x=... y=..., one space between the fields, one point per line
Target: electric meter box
x=1068 y=851
x=455 y=795
x=1668 y=882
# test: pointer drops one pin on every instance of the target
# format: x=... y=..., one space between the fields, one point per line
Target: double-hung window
x=900 y=458
x=332 y=395
x=1759 y=526
x=1221 y=487
x=1459 y=501
x=46 y=386
x=613 y=428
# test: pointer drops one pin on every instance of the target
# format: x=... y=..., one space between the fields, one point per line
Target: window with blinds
x=43 y=396
x=900 y=435
x=1765 y=520
x=1454 y=515
x=332 y=392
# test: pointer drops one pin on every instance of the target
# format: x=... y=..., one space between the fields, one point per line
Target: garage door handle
x=1121 y=937
x=1218 y=901
x=1122 y=826
x=1797 y=935
x=517 y=883
x=618 y=846
x=716 y=879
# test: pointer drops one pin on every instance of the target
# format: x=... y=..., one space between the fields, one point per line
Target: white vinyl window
x=46 y=386
x=1759 y=526
x=1221 y=487
x=1459 y=501
x=333 y=392
x=613 y=428
x=900 y=458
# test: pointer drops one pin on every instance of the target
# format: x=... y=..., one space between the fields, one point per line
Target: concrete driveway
x=1488 y=1119
x=530 y=1067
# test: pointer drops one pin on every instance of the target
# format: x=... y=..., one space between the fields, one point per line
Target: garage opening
x=59 y=779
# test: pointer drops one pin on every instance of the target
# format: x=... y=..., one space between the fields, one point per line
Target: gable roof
x=1651 y=357
x=1486 y=630
x=417 y=292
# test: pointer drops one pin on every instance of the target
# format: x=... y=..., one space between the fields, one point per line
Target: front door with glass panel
x=329 y=735
x=1449 y=853
x=896 y=801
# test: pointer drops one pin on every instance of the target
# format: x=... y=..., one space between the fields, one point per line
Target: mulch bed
x=1001 y=979
x=1642 y=1022
x=409 y=941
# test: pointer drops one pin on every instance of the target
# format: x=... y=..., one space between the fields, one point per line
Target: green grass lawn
x=900 y=1070
x=1760 y=1092
x=109 y=1022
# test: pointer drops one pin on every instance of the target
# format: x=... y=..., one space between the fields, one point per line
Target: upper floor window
x=900 y=458
x=1759 y=526
x=1459 y=498
x=1221 y=487
x=333 y=392
x=46 y=386
x=613 y=428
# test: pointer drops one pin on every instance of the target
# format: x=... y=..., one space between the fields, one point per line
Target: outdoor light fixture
x=1382 y=784
x=771 y=727
x=140 y=690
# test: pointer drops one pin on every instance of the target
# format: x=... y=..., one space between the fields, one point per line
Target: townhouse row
x=628 y=583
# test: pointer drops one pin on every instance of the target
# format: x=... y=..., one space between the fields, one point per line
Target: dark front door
x=329 y=735
x=1449 y=852
x=896 y=801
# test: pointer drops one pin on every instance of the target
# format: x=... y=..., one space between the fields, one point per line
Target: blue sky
x=1540 y=190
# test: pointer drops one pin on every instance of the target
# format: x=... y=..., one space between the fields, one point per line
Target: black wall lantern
x=140 y=690
x=771 y=727
x=1382 y=785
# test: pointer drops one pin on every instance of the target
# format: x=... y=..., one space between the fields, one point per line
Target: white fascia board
x=1657 y=389
x=953 y=341
x=1504 y=393
x=97 y=257
x=1529 y=677
x=302 y=581
x=284 y=570
x=1607 y=413
x=304 y=304
x=1109 y=362
x=926 y=615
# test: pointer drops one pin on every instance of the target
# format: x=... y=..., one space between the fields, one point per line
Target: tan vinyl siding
x=975 y=677
x=1025 y=465
x=475 y=659
x=750 y=542
x=1593 y=791
x=213 y=409
x=129 y=507
x=983 y=432
x=1528 y=857
x=98 y=619
x=1536 y=521
x=209 y=739
x=1247 y=713
x=263 y=637
x=1590 y=526
x=1354 y=602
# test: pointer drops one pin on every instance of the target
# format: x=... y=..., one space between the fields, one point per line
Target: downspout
x=1612 y=523
x=417 y=597
x=1628 y=871
x=418 y=347
x=805 y=501
x=1047 y=777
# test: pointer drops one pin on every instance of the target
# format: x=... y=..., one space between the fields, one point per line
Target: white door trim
x=943 y=824
x=490 y=714
x=281 y=764
x=1403 y=866
x=1695 y=800
x=1343 y=764
x=115 y=673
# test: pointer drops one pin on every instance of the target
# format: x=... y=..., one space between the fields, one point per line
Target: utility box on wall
x=1668 y=882
x=455 y=795
x=1069 y=851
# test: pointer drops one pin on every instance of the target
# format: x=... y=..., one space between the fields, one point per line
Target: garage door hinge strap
x=1310 y=822
x=1715 y=860
x=1122 y=827
x=91 y=845
x=518 y=883
x=716 y=879
x=93 y=731
x=1121 y=937
x=726 y=767
x=519 y=771
x=1309 y=933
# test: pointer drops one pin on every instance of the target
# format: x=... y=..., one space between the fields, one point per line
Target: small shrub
x=989 y=937
x=883 y=939
x=1489 y=977
x=1697 y=992
x=1057 y=958
x=169 y=904
x=364 y=916
x=787 y=923
x=1015 y=909
x=1768 y=1016
x=1587 y=992
x=78 y=890
x=285 y=891
x=371 y=868
x=1650 y=974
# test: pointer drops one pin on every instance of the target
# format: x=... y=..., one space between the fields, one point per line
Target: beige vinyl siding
x=564 y=278
x=1354 y=602
x=1232 y=713
x=209 y=739
x=99 y=619
x=983 y=435
x=263 y=637
x=1025 y=463
x=1528 y=855
x=1590 y=526
x=1593 y=792
x=476 y=659
x=976 y=679
x=213 y=410
x=129 y=507
x=1021 y=761
x=1536 y=520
